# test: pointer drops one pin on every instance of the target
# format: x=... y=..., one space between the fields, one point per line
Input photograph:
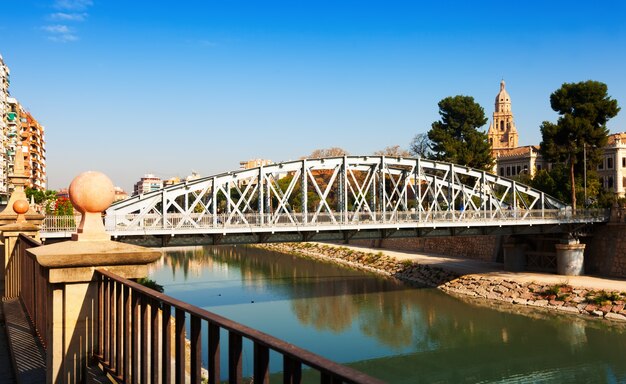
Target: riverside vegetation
x=556 y=297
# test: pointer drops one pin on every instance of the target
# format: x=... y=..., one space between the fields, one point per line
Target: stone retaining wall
x=471 y=247
x=559 y=297
x=606 y=250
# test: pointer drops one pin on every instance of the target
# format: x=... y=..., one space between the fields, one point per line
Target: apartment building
x=4 y=109
x=148 y=183
x=32 y=135
x=19 y=128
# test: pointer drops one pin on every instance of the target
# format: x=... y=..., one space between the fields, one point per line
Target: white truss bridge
x=339 y=198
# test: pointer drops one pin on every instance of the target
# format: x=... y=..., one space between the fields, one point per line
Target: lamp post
x=585 y=171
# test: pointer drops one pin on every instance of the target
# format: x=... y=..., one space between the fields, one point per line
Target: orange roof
x=519 y=151
x=617 y=138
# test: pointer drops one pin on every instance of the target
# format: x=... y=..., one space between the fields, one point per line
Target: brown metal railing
x=142 y=339
x=33 y=284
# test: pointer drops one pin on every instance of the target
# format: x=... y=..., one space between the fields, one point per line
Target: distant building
x=4 y=114
x=148 y=183
x=19 y=127
x=194 y=176
x=502 y=133
x=511 y=160
x=32 y=137
x=175 y=180
x=520 y=161
x=247 y=164
x=120 y=194
x=612 y=167
x=171 y=181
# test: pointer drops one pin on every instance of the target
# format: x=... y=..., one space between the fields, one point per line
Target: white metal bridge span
x=338 y=198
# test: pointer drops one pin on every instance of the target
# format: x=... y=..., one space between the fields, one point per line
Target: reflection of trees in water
x=329 y=297
x=190 y=259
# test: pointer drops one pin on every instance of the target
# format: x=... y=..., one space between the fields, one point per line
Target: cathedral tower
x=502 y=133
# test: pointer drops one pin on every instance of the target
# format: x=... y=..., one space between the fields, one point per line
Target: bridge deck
x=189 y=230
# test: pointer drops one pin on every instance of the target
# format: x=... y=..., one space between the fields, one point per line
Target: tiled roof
x=519 y=151
x=617 y=138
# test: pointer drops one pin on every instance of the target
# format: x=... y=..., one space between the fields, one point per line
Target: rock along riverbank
x=556 y=297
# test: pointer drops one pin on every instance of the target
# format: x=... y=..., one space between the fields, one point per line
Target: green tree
x=584 y=110
x=45 y=199
x=40 y=196
x=456 y=138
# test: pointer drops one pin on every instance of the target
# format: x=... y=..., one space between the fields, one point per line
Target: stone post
x=72 y=300
x=10 y=273
x=570 y=257
x=19 y=178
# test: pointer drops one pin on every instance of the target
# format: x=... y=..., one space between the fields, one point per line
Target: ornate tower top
x=503 y=100
x=502 y=133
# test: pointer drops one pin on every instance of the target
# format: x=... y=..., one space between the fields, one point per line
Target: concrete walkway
x=19 y=346
x=28 y=356
x=477 y=267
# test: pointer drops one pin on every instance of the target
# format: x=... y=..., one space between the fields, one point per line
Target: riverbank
x=584 y=296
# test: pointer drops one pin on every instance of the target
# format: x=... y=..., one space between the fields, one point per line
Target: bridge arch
x=330 y=191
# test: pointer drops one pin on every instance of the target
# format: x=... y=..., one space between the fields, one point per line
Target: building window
x=501 y=171
x=502 y=125
x=610 y=183
x=624 y=183
x=538 y=167
x=601 y=165
x=519 y=169
x=609 y=163
x=602 y=182
x=624 y=163
x=508 y=171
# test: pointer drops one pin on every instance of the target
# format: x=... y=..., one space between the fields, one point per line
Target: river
x=388 y=329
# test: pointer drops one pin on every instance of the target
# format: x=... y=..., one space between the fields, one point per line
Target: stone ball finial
x=91 y=193
x=21 y=207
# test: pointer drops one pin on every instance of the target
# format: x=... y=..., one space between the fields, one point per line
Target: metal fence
x=33 y=283
x=199 y=221
x=142 y=339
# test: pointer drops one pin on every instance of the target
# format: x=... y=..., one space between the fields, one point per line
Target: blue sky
x=134 y=87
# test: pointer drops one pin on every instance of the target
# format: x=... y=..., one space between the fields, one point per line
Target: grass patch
x=602 y=297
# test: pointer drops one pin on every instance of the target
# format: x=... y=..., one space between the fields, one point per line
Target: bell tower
x=502 y=133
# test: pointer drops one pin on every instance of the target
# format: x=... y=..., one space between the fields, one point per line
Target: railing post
x=72 y=333
x=10 y=229
x=19 y=179
x=10 y=273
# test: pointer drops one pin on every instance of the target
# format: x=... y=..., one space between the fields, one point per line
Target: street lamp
x=585 y=171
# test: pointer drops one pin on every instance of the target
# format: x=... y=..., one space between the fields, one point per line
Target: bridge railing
x=146 y=336
x=55 y=223
x=25 y=279
x=154 y=222
x=141 y=332
x=199 y=221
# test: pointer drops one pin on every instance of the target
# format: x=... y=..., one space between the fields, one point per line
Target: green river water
x=390 y=330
